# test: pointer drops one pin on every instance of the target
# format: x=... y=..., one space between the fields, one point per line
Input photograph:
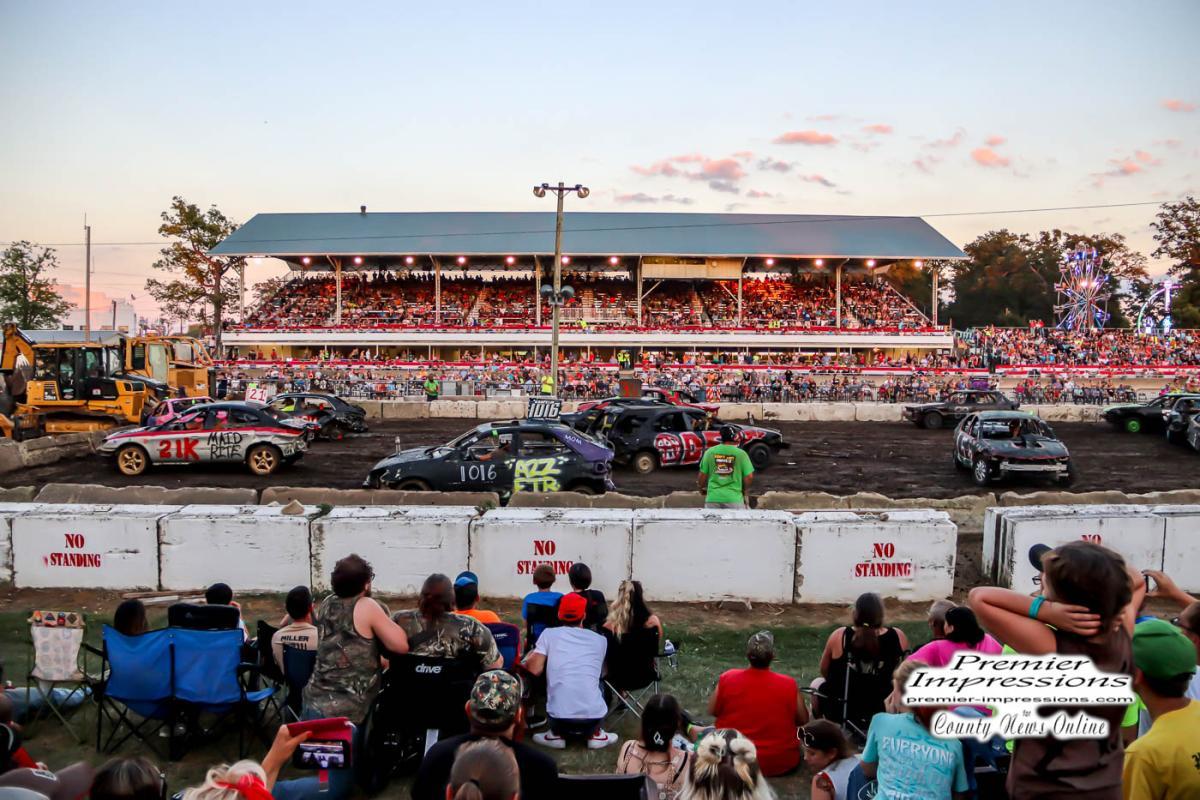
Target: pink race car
x=169 y=409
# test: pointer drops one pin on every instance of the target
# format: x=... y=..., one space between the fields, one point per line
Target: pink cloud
x=743 y=155
x=773 y=165
x=758 y=193
x=663 y=168
x=805 y=137
x=821 y=179
x=987 y=157
x=1174 y=104
x=925 y=163
x=879 y=127
x=724 y=186
x=726 y=169
x=643 y=198
x=954 y=141
x=825 y=117
x=995 y=141
x=1144 y=157
x=708 y=169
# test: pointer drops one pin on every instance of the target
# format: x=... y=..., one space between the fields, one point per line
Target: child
x=580 y=576
x=829 y=755
x=543 y=579
x=12 y=754
x=221 y=594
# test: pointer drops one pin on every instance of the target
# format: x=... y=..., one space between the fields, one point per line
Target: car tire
x=584 y=489
x=411 y=485
x=1173 y=437
x=132 y=460
x=336 y=432
x=644 y=462
x=263 y=459
x=981 y=472
x=1071 y=475
x=760 y=456
x=932 y=421
x=1133 y=425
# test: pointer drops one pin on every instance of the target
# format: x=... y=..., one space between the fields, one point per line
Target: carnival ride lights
x=1082 y=291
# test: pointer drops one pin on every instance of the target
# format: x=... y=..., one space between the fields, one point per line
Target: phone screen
x=322 y=754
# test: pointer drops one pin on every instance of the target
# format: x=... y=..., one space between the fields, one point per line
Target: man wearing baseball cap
x=494 y=709
x=572 y=658
x=1165 y=763
x=466 y=598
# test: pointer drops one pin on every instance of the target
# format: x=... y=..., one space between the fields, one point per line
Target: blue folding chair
x=298 y=667
x=508 y=641
x=134 y=694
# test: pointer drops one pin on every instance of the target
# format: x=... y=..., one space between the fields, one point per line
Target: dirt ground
x=895 y=459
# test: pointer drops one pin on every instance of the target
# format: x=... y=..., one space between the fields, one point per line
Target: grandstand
x=452 y=283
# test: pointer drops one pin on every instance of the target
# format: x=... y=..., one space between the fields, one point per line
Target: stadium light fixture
x=408 y=260
x=770 y=262
x=566 y=259
x=306 y=261
x=510 y=260
x=462 y=260
x=870 y=262
x=820 y=262
x=558 y=292
x=614 y=260
x=358 y=259
x=918 y=263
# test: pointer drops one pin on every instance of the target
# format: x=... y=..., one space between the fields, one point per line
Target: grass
x=705 y=652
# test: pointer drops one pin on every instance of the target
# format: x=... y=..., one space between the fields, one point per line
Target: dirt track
x=842 y=458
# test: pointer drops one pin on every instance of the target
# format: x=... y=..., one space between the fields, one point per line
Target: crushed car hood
x=406 y=456
x=1027 y=447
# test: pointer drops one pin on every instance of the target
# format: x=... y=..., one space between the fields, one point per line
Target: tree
x=1128 y=278
x=204 y=282
x=1177 y=231
x=28 y=296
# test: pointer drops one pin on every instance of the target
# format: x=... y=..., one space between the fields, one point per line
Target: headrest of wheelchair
x=203 y=617
x=432 y=668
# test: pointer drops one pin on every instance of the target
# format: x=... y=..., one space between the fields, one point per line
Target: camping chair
x=539 y=618
x=298 y=666
x=135 y=695
x=209 y=678
x=632 y=670
x=607 y=787
x=854 y=692
x=264 y=633
x=508 y=641
x=203 y=617
x=56 y=642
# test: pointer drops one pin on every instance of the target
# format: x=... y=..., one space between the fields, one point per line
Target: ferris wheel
x=1155 y=314
x=1083 y=291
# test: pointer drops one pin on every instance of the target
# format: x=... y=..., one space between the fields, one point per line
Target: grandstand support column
x=437 y=290
x=934 y=298
x=537 y=289
x=740 y=299
x=337 y=280
x=639 y=291
x=838 y=279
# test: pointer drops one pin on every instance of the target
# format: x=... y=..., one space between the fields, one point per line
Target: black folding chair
x=632 y=670
x=264 y=633
x=539 y=617
x=202 y=617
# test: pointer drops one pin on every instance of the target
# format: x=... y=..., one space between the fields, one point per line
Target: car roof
x=990 y=415
x=228 y=406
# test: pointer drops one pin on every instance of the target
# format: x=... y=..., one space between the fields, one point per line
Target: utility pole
x=87 y=280
x=114 y=314
x=556 y=294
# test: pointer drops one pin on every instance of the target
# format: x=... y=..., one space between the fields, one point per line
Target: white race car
x=217 y=432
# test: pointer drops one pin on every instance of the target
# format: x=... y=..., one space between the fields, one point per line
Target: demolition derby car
x=651 y=394
x=650 y=436
x=333 y=416
x=217 y=433
x=1177 y=415
x=504 y=457
x=1142 y=417
x=173 y=408
x=957 y=406
x=995 y=444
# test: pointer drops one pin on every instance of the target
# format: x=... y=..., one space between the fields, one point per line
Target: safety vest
x=547 y=385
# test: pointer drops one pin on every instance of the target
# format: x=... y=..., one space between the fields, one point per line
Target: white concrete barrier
x=508 y=544
x=405 y=544
x=1133 y=531
x=8 y=511
x=252 y=548
x=909 y=555
x=1181 y=545
x=699 y=554
x=88 y=546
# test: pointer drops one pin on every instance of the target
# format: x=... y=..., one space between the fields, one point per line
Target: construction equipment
x=191 y=369
x=59 y=382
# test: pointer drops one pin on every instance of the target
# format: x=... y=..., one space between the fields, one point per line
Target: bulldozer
x=60 y=382
x=191 y=369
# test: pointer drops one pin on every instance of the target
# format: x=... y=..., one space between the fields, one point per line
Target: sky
x=111 y=108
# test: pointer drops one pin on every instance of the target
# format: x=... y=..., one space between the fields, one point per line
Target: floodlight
x=770 y=262
x=918 y=263
x=870 y=262
x=306 y=260
x=462 y=260
x=614 y=260
x=566 y=259
x=820 y=262
x=547 y=290
x=358 y=259
x=539 y=191
x=582 y=191
x=567 y=293
x=510 y=260
x=408 y=260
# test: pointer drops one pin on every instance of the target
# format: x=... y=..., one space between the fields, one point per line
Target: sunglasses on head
x=806 y=737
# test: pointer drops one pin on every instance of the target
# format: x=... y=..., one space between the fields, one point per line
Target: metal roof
x=587 y=233
x=103 y=337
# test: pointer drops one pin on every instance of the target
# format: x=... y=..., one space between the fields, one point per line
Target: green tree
x=1126 y=268
x=202 y=282
x=1177 y=231
x=28 y=295
x=914 y=283
x=1007 y=280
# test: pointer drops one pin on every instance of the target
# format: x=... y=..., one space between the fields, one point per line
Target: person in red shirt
x=764 y=705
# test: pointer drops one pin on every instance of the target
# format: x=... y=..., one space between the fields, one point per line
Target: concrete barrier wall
x=90 y=493
x=909 y=555
x=1181 y=544
x=508 y=544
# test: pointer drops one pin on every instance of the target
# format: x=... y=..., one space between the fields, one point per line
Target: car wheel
x=644 y=463
x=583 y=488
x=932 y=420
x=132 y=460
x=1173 y=437
x=1133 y=425
x=760 y=455
x=1070 y=476
x=981 y=472
x=412 y=485
x=336 y=432
x=263 y=459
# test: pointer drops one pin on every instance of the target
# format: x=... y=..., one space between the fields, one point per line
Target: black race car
x=653 y=435
x=334 y=416
x=504 y=457
x=957 y=406
x=1176 y=416
x=995 y=444
x=1139 y=417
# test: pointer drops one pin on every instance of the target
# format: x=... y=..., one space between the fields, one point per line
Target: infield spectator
x=12 y=753
x=655 y=753
x=483 y=771
x=495 y=712
x=543 y=579
x=221 y=594
x=298 y=630
x=764 y=705
x=441 y=633
x=466 y=598
x=130 y=618
x=725 y=767
x=572 y=658
x=936 y=618
x=580 y=577
x=725 y=473
x=828 y=754
x=876 y=651
x=630 y=612
x=128 y=779
x=962 y=633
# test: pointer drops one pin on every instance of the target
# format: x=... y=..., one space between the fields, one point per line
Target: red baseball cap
x=572 y=607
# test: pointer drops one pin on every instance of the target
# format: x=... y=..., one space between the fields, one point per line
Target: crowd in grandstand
x=1100 y=348
x=550 y=680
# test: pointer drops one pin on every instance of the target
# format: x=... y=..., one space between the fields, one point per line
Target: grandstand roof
x=293 y=236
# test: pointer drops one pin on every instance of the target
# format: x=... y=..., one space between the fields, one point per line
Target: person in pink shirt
x=962 y=633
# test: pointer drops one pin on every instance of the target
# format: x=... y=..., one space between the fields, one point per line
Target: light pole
x=557 y=294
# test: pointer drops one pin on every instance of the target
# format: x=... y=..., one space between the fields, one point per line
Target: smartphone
x=322 y=754
x=1150 y=584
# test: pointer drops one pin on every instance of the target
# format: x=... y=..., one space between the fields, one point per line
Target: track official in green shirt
x=431 y=389
x=725 y=473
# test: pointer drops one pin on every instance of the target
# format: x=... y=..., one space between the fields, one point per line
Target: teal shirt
x=912 y=762
x=725 y=465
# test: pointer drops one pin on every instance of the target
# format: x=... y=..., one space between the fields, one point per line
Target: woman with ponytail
x=725 y=767
x=962 y=633
x=484 y=770
x=655 y=753
x=871 y=651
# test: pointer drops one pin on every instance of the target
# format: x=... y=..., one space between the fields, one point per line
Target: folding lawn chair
x=298 y=666
x=539 y=617
x=508 y=641
x=264 y=633
x=135 y=694
x=56 y=640
x=632 y=670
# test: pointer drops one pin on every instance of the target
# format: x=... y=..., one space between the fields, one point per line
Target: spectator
x=936 y=619
x=443 y=634
x=904 y=756
x=1165 y=763
x=431 y=389
x=298 y=630
x=466 y=598
x=764 y=705
x=249 y=780
x=828 y=754
x=483 y=771
x=221 y=594
x=12 y=753
x=725 y=473
x=1188 y=620
x=580 y=577
x=876 y=651
x=543 y=579
x=655 y=753
x=128 y=779
x=130 y=618
x=572 y=659
x=353 y=631
x=630 y=612
x=494 y=710
x=962 y=633
x=1088 y=602
x=69 y=783
x=725 y=767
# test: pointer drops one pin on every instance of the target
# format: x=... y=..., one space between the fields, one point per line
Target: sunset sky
x=111 y=108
